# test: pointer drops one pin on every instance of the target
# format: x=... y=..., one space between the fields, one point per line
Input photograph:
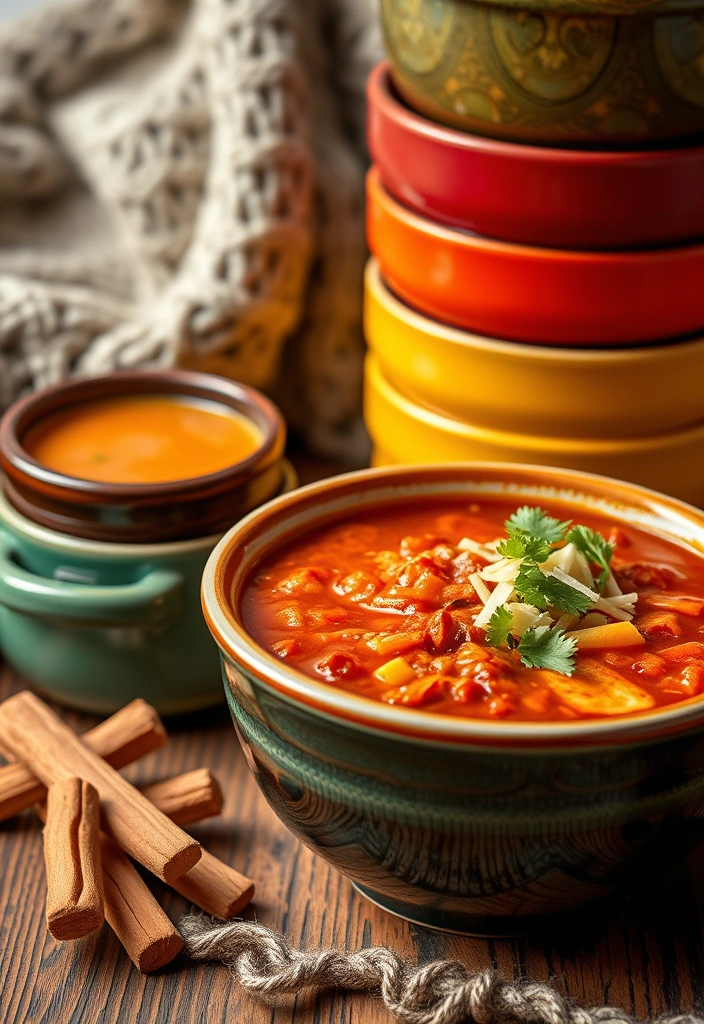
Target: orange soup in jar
x=143 y=439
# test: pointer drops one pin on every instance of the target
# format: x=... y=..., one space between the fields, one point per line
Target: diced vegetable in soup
x=488 y=611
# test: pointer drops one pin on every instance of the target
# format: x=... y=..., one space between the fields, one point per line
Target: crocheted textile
x=184 y=185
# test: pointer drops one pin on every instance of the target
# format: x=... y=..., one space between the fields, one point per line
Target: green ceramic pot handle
x=155 y=599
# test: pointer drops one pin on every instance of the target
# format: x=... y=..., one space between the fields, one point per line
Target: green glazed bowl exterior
x=94 y=624
x=479 y=827
x=582 y=72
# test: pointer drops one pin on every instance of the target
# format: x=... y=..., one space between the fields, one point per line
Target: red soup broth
x=341 y=602
x=142 y=439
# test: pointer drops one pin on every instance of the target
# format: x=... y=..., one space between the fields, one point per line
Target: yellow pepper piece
x=613 y=634
x=396 y=672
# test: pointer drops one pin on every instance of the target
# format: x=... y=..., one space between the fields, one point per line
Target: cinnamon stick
x=126 y=736
x=37 y=736
x=74 y=879
x=131 y=910
x=212 y=885
x=215 y=887
x=186 y=798
x=149 y=937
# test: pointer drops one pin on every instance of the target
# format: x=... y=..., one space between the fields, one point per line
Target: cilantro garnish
x=594 y=548
x=536 y=524
x=522 y=546
x=543 y=591
x=531 y=536
x=548 y=648
x=499 y=627
x=514 y=547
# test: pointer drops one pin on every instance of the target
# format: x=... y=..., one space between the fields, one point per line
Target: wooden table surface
x=645 y=953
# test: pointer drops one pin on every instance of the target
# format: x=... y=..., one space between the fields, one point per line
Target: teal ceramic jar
x=99 y=585
x=474 y=826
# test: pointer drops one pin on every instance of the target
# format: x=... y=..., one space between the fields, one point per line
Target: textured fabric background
x=182 y=184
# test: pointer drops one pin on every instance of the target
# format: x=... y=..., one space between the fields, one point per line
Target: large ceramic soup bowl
x=562 y=72
x=467 y=823
x=100 y=578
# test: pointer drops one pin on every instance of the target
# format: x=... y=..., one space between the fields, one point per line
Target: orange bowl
x=526 y=293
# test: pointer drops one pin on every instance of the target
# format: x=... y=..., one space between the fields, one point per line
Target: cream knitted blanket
x=182 y=184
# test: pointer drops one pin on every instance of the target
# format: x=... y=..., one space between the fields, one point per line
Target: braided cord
x=442 y=992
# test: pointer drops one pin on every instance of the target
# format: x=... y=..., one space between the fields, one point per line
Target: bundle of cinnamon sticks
x=96 y=821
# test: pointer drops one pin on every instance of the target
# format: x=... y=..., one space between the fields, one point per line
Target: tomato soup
x=487 y=611
x=142 y=439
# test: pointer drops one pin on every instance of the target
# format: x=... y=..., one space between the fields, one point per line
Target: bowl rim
x=624 y=8
x=461 y=238
x=278 y=521
x=375 y=377
x=381 y=96
x=382 y=294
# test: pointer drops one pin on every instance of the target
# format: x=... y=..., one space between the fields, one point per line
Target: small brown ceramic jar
x=145 y=512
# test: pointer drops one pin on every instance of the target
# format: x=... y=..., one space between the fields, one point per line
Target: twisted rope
x=443 y=992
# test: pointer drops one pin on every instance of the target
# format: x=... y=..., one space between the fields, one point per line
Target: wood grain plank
x=645 y=953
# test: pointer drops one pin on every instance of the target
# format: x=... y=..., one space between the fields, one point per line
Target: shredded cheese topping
x=539 y=590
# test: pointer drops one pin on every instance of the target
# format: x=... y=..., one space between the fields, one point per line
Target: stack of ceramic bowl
x=539 y=296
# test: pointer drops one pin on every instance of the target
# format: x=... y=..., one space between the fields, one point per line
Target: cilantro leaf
x=499 y=627
x=538 y=524
x=514 y=547
x=595 y=548
x=548 y=648
x=543 y=591
x=537 y=550
x=522 y=546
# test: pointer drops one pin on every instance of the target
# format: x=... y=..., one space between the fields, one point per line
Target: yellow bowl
x=404 y=432
x=511 y=386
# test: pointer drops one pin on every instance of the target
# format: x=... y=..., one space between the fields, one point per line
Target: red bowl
x=526 y=293
x=572 y=199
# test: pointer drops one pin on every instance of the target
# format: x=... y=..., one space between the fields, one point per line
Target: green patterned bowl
x=458 y=824
x=578 y=72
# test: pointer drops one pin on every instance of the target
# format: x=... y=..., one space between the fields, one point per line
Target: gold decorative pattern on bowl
x=549 y=76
